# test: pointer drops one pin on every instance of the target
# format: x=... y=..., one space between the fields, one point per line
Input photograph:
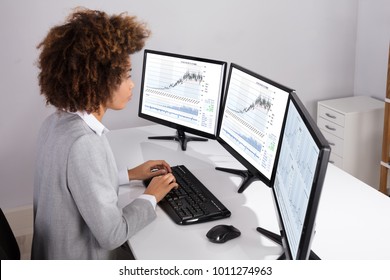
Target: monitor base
x=246 y=174
x=179 y=137
x=277 y=239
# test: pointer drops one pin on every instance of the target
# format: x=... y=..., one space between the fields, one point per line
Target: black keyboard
x=192 y=202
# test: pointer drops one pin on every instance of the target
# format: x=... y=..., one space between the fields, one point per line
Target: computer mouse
x=222 y=233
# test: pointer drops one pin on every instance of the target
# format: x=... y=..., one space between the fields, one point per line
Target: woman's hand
x=160 y=185
x=148 y=169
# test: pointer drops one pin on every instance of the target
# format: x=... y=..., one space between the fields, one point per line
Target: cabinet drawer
x=336 y=160
x=331 y=115
x=331 y=127
x=335 y=143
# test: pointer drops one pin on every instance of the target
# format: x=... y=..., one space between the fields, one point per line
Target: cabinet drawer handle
x=330 y=128
x=332 y=144
x=331 y=161
x=330 y=116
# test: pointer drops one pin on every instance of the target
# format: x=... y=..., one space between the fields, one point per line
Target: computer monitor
x=297 y=187
x=251 y=122
x=182 y=92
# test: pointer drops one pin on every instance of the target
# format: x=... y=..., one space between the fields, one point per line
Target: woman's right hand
x=159 y=186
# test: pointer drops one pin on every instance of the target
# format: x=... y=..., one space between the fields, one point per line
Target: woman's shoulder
x=66 y=128
x=66 y=123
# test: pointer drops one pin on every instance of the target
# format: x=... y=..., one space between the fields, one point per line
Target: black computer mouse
x=222 y=233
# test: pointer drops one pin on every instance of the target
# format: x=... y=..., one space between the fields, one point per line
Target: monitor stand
x=246 y=174
x=277 y=239
x=179 y=137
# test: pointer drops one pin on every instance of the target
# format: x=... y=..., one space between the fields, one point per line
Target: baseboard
x=22 y=225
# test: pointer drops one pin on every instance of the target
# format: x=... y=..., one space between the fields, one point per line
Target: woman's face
x=122 y=94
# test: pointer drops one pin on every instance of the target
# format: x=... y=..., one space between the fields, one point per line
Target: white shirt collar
x=93 y=123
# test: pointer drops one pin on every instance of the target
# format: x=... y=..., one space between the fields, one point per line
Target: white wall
x=305 y=44
x=372 y=48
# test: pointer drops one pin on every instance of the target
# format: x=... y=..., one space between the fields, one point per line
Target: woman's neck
x=100 y=113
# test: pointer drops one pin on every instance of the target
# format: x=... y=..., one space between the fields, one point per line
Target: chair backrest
x=9 y=249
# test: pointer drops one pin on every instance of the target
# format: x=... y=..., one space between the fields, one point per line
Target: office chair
x=9 y=249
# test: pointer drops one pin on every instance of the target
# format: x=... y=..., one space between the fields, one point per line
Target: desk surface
x=352 y=220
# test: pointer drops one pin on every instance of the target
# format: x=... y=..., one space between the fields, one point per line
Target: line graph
x=250 y=105
x=187 y=77
x=260 y=102
x=178 y=77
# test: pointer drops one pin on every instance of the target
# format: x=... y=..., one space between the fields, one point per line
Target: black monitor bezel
x=255 y=172
x=171 y=124
x=304 y=247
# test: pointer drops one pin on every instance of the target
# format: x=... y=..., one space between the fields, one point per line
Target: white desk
x=353 y=220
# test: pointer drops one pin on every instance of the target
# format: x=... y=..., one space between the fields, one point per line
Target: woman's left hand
x=148 y=169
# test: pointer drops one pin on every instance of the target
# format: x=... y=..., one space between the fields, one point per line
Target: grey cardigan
x=76 y=215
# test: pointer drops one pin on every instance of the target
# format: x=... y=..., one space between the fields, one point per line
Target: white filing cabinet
x=354 y=127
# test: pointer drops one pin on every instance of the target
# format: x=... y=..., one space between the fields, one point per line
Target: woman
x=84 y=71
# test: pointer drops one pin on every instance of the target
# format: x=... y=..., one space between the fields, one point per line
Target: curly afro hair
x=85 y=59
